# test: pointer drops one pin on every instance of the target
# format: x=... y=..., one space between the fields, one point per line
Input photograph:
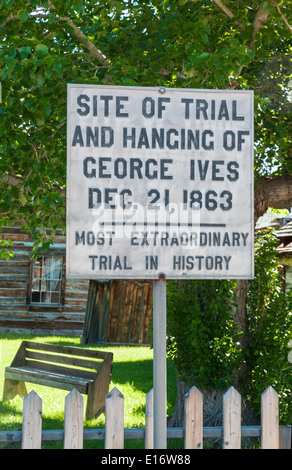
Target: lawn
x=132 y=374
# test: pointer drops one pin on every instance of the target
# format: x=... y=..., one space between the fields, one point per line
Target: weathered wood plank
x=80 y=303
x=12 y=292
x=116 y=292
x=270 y=419
x=13 y=276
x=114 y=420
x=15 y=301
x=99 y=388
x=32 y=422
x=13 y=284
x=14 y=268
x=231 y=419
x=12 y=316
x=76 y=294
x=41 y=377
x=57 y=369
x=13 y=388
x=133 y=433
x=13 y=264
x=194 y=419
x=73 y=425
x=126 y=313
x=68 y=350
x=61 y=359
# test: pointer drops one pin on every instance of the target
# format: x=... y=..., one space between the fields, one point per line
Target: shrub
x=204 y=337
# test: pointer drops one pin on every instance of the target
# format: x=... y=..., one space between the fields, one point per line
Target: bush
x=269 y=324
x=204 y=337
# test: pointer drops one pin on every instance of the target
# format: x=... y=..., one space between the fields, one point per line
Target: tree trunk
x=273 y=192
x=212 y=407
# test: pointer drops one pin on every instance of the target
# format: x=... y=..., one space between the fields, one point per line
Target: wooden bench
x=62 y=367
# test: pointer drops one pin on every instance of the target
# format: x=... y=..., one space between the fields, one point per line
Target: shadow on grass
x=9 y=409
x=130 y=372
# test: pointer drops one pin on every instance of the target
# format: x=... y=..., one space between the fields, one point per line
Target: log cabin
x=36 y=296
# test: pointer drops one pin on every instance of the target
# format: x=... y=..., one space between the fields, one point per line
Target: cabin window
x=46 y=280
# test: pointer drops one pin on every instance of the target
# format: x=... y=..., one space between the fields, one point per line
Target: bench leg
x=13 y=388
x=95 y=403
x=97 y=391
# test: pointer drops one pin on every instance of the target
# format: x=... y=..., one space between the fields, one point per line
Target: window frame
x=61 y=290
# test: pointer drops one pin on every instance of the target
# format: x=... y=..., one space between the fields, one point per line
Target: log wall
x=16 y=313
x=117 y=311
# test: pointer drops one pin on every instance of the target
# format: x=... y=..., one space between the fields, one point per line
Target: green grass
x=132 y=374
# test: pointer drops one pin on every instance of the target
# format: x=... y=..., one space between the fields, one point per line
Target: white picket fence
x=272 y=435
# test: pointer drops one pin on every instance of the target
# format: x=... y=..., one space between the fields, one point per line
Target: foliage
x=5 y=252
x=202 y=337
x=269 y=321
x=197 y=44
x=205 y=341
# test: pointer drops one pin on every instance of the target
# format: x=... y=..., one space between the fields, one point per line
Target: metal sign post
x=159 y=363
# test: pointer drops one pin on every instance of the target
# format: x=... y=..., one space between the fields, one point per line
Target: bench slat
x=85 y=374
x=72 y=361
x=70 y=350
x=65 y=382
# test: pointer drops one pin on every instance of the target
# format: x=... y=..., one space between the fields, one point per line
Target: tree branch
x=94 y=51
x=9 y=18
x=273 y=192
x=12 y=180
x=227 y=12
x=260 y=18
x=282 y=16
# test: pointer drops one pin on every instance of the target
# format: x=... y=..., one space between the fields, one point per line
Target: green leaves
x=22 y=15
x=205 y=341
x=202 y=339
x=5 y=252
x=269 y=322
x=41 y=49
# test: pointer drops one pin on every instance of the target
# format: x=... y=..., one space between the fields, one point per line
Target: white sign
x=159 y=182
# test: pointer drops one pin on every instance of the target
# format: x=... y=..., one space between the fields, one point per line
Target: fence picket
x=114 y=420
x=231 y=419
x=32 y=422
x=149 y=435
x=270 y=419
x=73 y=420
x=194 y=419
x=273 y=436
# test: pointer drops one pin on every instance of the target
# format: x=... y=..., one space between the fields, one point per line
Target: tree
x=198 y=44
x=186 y=43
